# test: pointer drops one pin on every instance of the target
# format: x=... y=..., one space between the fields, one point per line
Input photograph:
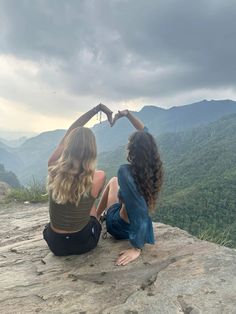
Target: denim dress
x=139 y=230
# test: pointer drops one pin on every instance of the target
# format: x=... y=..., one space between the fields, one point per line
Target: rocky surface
x=180 y=274
x=4 y=189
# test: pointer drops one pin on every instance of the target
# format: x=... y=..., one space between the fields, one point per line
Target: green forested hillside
x=199 y=193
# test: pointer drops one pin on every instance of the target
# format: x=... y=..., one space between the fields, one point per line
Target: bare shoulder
x=99 y=179
x=99 y=174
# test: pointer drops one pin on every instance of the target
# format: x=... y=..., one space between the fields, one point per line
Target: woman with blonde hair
x=73 y=185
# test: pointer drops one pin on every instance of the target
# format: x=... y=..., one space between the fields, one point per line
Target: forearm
x=138 y=124
x=102 y=205
x=82 y=120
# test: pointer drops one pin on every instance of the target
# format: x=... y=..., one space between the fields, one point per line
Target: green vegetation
x=34 y=193
x=213 y=235
x=200 y=180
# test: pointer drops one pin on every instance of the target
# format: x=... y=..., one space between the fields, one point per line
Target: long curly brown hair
x=146 y=166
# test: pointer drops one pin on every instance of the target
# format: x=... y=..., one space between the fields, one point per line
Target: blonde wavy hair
x=72 y=175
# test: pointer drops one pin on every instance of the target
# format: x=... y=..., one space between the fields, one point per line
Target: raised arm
x=134 y=120
x=81 y=121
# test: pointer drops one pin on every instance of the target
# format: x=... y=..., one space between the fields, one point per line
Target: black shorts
x=62 y=244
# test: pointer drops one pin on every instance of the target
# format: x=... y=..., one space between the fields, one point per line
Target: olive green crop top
x=70 y=217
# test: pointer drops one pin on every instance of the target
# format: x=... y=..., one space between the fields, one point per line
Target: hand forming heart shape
x=117 y=116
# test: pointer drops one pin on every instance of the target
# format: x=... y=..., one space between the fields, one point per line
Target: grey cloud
x=124 y=50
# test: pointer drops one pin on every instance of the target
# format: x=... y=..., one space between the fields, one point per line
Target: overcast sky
x=59 y=58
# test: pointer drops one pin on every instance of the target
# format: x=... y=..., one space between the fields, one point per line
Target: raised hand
x=120 y=114
x=107 y=111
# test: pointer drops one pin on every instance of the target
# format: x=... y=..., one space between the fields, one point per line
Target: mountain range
x=13 y=142
x=160 y=121
x=30 y=158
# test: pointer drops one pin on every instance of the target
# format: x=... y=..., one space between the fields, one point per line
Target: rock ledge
x=180 y=274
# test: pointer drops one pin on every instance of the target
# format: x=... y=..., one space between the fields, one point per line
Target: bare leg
x=109 y=196
x=93 y=211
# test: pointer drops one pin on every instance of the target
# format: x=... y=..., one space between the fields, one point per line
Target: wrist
x=128 y=114
x=97 y=108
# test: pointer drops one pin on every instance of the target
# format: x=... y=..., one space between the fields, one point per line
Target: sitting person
x=73 y=186
x=128 y=198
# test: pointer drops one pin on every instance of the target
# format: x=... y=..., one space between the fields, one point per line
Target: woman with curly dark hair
x=129 y=198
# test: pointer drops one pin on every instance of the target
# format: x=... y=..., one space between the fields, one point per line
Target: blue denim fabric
x=116 y=226
x=140 y=230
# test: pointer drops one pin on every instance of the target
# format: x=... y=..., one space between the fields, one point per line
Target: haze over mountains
x=14 y=142
x=30 y=158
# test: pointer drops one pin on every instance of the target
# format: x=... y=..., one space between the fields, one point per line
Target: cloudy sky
x=59 y=58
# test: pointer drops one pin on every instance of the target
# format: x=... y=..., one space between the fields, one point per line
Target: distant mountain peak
x=151 y=107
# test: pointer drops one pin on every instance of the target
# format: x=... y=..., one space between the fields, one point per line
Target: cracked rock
x=179 y=274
